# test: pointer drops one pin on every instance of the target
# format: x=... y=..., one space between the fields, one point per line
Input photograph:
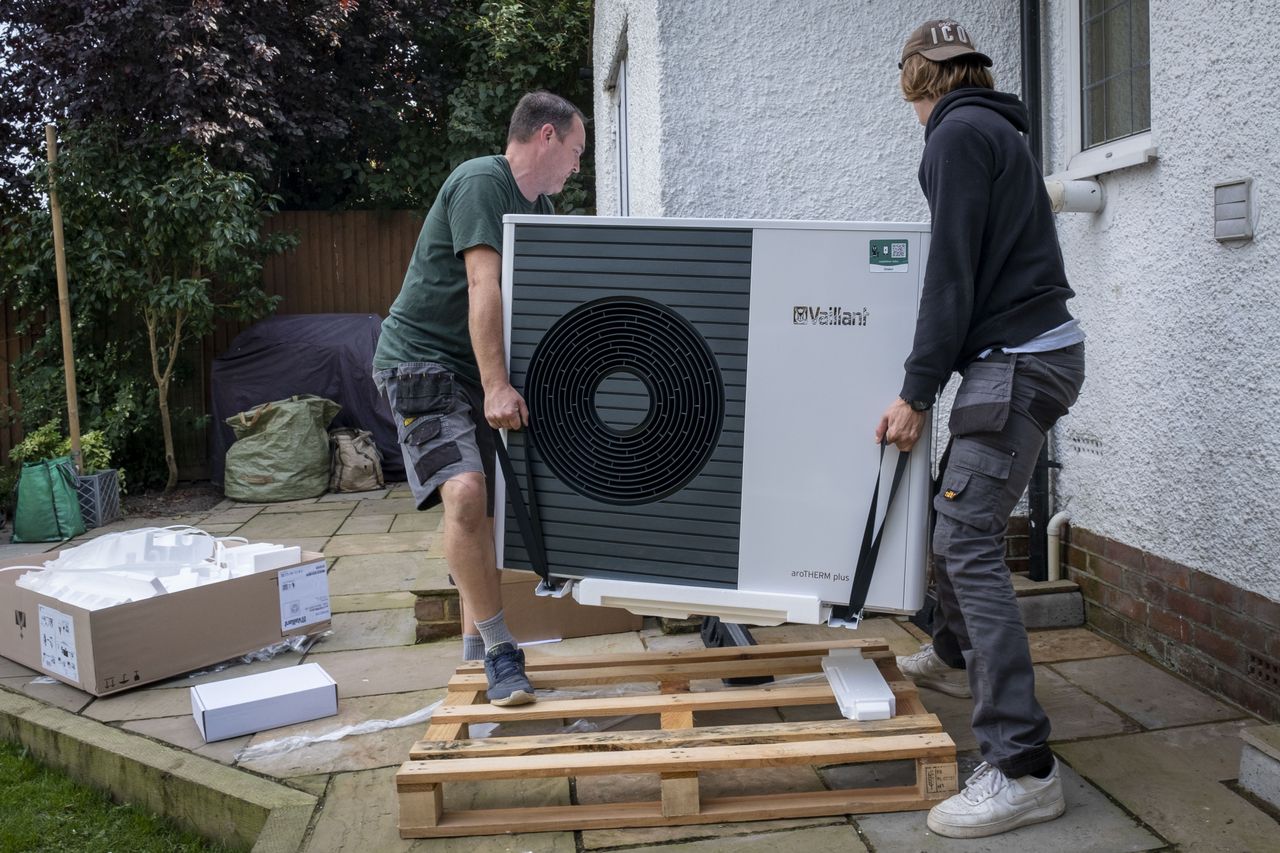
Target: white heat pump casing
x=829 y=329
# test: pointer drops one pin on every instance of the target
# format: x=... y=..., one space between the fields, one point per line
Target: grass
x=43 y=810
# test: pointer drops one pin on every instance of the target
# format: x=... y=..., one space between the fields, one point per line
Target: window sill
x=1121 y=154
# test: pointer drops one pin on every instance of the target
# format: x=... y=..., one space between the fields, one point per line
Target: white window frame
x=1084 y=162
x=622 y=142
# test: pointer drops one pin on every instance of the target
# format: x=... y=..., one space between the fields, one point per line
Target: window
x=621 y=142
x=1116 y=64
x=1108 y=57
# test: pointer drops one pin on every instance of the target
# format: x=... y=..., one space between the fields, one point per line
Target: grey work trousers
x=1003 y=408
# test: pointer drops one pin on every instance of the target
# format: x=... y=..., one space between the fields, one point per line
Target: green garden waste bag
x=48 y=506
x=281 y=451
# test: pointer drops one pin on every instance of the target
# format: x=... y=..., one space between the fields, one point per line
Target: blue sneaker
x=504 y=667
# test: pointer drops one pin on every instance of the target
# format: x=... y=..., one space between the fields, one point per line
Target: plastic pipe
x=1075 y=196
x=1054 y=532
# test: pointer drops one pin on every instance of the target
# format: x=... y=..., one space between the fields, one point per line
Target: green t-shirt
x=428 y=320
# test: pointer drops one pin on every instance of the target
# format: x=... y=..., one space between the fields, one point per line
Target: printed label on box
x=58 y=643
x=304 y=596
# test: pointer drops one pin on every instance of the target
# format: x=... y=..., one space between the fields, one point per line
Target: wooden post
x=64 y=299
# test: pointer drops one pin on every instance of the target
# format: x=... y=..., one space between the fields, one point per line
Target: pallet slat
x=679 y=753
x=718 y=810
x=705 y=736
x=536 y=662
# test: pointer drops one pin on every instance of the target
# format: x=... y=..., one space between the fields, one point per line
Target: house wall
x=1173 y=446
x=791 y=110
x=773 y=110
x=1171 y=453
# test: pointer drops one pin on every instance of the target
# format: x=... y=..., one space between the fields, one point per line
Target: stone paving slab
x=239 y=513
x=270 y=528
x=839 y=837
x=366 y=524
x=55 y=693
x=11 y=669
x=360 y=814
x=221 y=529
x=401 y=669
x=315 y=785
x=604 y=644
x=1092 y=824
x=370 y=629
x=386 y=748
x=1073 y=713
x=1061 y=644
x=141 y=704
x=1145 y=692
x=303 y=505
x=400 y=571
x=306 y=543
x=358 y=602
x=235 y=668
x=598 y=839
x=12 y=550
x=184 y=733
x=1172 y=780
x=377 y=543
x=412 y=522
x=370 y=495
x=387 y=506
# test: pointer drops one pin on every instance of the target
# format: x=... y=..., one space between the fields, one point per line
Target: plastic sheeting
x=328 y=355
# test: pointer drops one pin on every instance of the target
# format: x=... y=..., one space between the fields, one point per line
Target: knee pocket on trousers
x=973 y=485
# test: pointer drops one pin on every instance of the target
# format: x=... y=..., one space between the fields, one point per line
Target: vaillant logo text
x=824 y=315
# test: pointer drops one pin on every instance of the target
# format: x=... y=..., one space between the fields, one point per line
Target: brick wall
x=1217 y=635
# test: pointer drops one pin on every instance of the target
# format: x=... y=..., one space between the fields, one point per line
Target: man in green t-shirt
x=441 y=361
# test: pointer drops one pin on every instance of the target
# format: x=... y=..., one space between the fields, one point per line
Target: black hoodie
x=995 y=275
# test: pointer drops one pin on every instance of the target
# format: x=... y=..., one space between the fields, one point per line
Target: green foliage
x=513 y=47
x=42 y=811
x=48 y=442
x=160 y=244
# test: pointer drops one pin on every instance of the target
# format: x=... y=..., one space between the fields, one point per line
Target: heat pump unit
x=703 y=399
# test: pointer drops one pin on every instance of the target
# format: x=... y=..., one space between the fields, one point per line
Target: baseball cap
x=941 y=40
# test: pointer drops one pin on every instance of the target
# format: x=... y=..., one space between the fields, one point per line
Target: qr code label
x=897 y=250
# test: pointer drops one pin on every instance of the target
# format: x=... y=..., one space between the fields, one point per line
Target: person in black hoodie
x=993 y=309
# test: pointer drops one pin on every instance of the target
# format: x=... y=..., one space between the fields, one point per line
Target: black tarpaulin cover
x=329 y=355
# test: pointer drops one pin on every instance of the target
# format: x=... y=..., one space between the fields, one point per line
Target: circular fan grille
x=626 y=400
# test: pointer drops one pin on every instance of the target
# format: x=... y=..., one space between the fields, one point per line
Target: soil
x=185 y=499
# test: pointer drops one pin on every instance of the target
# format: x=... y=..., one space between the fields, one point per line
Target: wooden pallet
x=678 y=752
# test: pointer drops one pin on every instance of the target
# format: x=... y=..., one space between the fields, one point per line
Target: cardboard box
x=265 y=700
x=532 y=618
x=115 y=648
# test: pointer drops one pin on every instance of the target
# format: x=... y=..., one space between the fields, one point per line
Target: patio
x=1149 y=761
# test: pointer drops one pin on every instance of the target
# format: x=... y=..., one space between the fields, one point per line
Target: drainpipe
x=1038 y=489
x=1054 y=534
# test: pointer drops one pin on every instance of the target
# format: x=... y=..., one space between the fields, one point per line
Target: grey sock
x=494 y=631
x=472 y=647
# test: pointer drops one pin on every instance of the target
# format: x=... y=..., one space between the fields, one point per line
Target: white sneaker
x=992 y=803
x=926 y=669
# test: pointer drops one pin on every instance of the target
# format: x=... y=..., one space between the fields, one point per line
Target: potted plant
x=98 y=487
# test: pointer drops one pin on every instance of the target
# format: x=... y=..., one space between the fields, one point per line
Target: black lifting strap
x=526 y=516
x=871 y=536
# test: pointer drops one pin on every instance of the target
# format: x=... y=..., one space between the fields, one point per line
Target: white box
x=267 y=700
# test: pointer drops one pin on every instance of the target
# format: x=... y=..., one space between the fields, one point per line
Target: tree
x=301 y=94
x=162 y=243
x=512 y=47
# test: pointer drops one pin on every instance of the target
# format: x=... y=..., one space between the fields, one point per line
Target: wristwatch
x=917 y=405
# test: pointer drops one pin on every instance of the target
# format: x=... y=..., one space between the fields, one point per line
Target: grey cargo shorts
x=440 y=425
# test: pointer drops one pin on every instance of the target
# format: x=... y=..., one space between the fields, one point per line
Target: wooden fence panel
x=345 y=262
